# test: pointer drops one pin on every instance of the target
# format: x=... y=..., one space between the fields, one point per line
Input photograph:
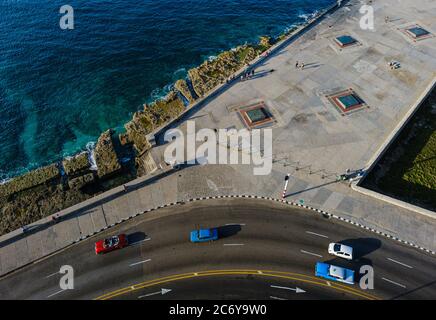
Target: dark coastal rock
x=166 y=109
x=265 y=42
x=287 y=33
x=105 y=155
x=80 y=182
x=183 y=88
x=76 y=165
x=34 y=204
x=153 y=116
x=124 y=139
x=145 y=164
x=29 y=180
x=137 y=130
x=212 y=73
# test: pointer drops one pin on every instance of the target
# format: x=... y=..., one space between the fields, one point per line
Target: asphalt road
x=266 y=251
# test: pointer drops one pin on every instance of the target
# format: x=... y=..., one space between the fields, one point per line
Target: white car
x=341 y=251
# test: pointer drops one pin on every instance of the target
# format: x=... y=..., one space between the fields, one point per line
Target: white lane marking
x=140 y=262
x=311 y=253
x=235 y=224
x=317 y=234
x=403 y=264
x=276 y=298
x=138 y=242
x=233 y=244
x=51 y=275
x=396 y=283
x=161 y=292
x=53 y=294
x=296 y=289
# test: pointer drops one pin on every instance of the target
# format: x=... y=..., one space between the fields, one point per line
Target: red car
x=111 y=244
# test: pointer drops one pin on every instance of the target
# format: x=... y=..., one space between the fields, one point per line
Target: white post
x=286 y=185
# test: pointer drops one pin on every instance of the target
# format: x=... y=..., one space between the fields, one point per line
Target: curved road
x=267 y=251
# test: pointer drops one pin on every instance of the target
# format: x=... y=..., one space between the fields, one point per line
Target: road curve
x=267 y=251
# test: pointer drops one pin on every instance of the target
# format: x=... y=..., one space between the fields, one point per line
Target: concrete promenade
x=312 y=139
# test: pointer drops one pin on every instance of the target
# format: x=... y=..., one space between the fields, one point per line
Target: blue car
x=204 y=235
x=334 y=273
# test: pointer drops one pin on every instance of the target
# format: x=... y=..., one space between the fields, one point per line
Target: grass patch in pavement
x=407 y=171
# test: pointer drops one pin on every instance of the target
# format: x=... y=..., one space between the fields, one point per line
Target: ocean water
x=59 y=89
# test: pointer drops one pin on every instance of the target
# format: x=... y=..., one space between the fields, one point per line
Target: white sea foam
x=308 y=16
x=181 y=70
x=90 y=147
x=4 y=181
x=161 y=93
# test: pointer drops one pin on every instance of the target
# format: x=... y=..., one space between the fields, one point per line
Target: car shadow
x=362 y=246
x=136 y=237
x=228 y=230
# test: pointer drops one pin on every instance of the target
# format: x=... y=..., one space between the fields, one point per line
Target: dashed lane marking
x=140 y=262
x=317 y=234
x=311 y=253
x=393 y=282
x=139 y=242
x=400 y=263
x=53 y=294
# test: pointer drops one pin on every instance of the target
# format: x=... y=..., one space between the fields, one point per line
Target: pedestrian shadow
x=258 y=75
x=228 y=230
x=312 y=66
x=309 y=189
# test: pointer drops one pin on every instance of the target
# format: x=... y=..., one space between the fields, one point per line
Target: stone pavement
x=312 y=139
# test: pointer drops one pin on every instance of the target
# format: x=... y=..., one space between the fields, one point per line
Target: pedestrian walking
x=297 y=65
x=302 y=66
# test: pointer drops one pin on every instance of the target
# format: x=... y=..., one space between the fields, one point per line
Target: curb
x=322 y=212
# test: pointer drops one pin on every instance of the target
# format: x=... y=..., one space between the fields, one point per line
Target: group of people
x=299 y=65
x=247 y=74
x=351 y=175
x=394 y=65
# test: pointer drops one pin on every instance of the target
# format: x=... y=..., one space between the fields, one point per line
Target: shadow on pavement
x=229 y=230
x=362 y=246
x=136 y=237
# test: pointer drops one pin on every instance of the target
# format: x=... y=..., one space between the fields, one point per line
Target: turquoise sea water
x=59 y=89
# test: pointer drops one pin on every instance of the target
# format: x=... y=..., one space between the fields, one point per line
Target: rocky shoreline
x=118 y=158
